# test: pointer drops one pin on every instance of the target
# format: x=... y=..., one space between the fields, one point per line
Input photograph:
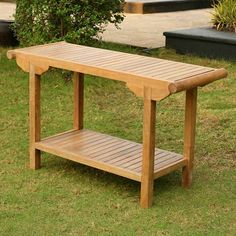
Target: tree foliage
x=76 y=21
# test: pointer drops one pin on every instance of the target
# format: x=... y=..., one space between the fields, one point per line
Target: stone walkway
x=141 y=30
x=147 y=30
x=7 y=10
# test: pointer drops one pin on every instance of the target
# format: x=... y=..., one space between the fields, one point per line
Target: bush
x=38 y=22
x=224 y=15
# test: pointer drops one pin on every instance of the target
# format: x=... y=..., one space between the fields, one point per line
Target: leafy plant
x=71 y=20
x=224 y=15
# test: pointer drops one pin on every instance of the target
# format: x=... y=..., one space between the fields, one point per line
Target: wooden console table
x=150 y=78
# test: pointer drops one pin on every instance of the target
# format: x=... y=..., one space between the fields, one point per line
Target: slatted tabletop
x=133 y=69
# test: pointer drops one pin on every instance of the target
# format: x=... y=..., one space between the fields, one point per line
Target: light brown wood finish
x=189 y=135
x=107 y=153
x=197 y=80
x=78 y=100
x=34 y=116
x=150 y=78
x=118 y=66
x=149 y=116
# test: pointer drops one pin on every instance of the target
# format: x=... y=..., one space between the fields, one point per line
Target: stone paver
x=7 y=10
x=146 y=30
x=141 y=30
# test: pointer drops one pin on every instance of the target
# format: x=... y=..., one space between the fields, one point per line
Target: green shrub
x=224 y=15
x=38 y=22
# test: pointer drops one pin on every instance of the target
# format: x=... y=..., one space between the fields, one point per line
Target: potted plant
x=224 y=16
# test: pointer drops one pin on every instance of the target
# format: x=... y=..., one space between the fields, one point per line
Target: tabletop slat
x=135 y=70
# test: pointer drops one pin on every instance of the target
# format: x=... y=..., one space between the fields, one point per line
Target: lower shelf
x=111 y=154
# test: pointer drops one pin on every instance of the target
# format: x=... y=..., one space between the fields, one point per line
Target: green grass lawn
x=66 y=198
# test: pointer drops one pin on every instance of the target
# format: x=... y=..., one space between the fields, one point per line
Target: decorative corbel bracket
x=156 y=93
x=24 y=63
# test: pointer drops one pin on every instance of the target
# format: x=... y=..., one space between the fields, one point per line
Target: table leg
x=78 y=100
x=34 y=116
x=189 y=135
x=147 y=178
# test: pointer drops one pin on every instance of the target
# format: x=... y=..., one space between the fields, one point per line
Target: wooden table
x=150 y=78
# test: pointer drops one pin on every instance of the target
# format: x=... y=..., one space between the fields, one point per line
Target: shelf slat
x=111 y=154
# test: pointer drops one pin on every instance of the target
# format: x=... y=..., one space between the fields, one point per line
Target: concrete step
x=154 y=6
x=204 y=41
